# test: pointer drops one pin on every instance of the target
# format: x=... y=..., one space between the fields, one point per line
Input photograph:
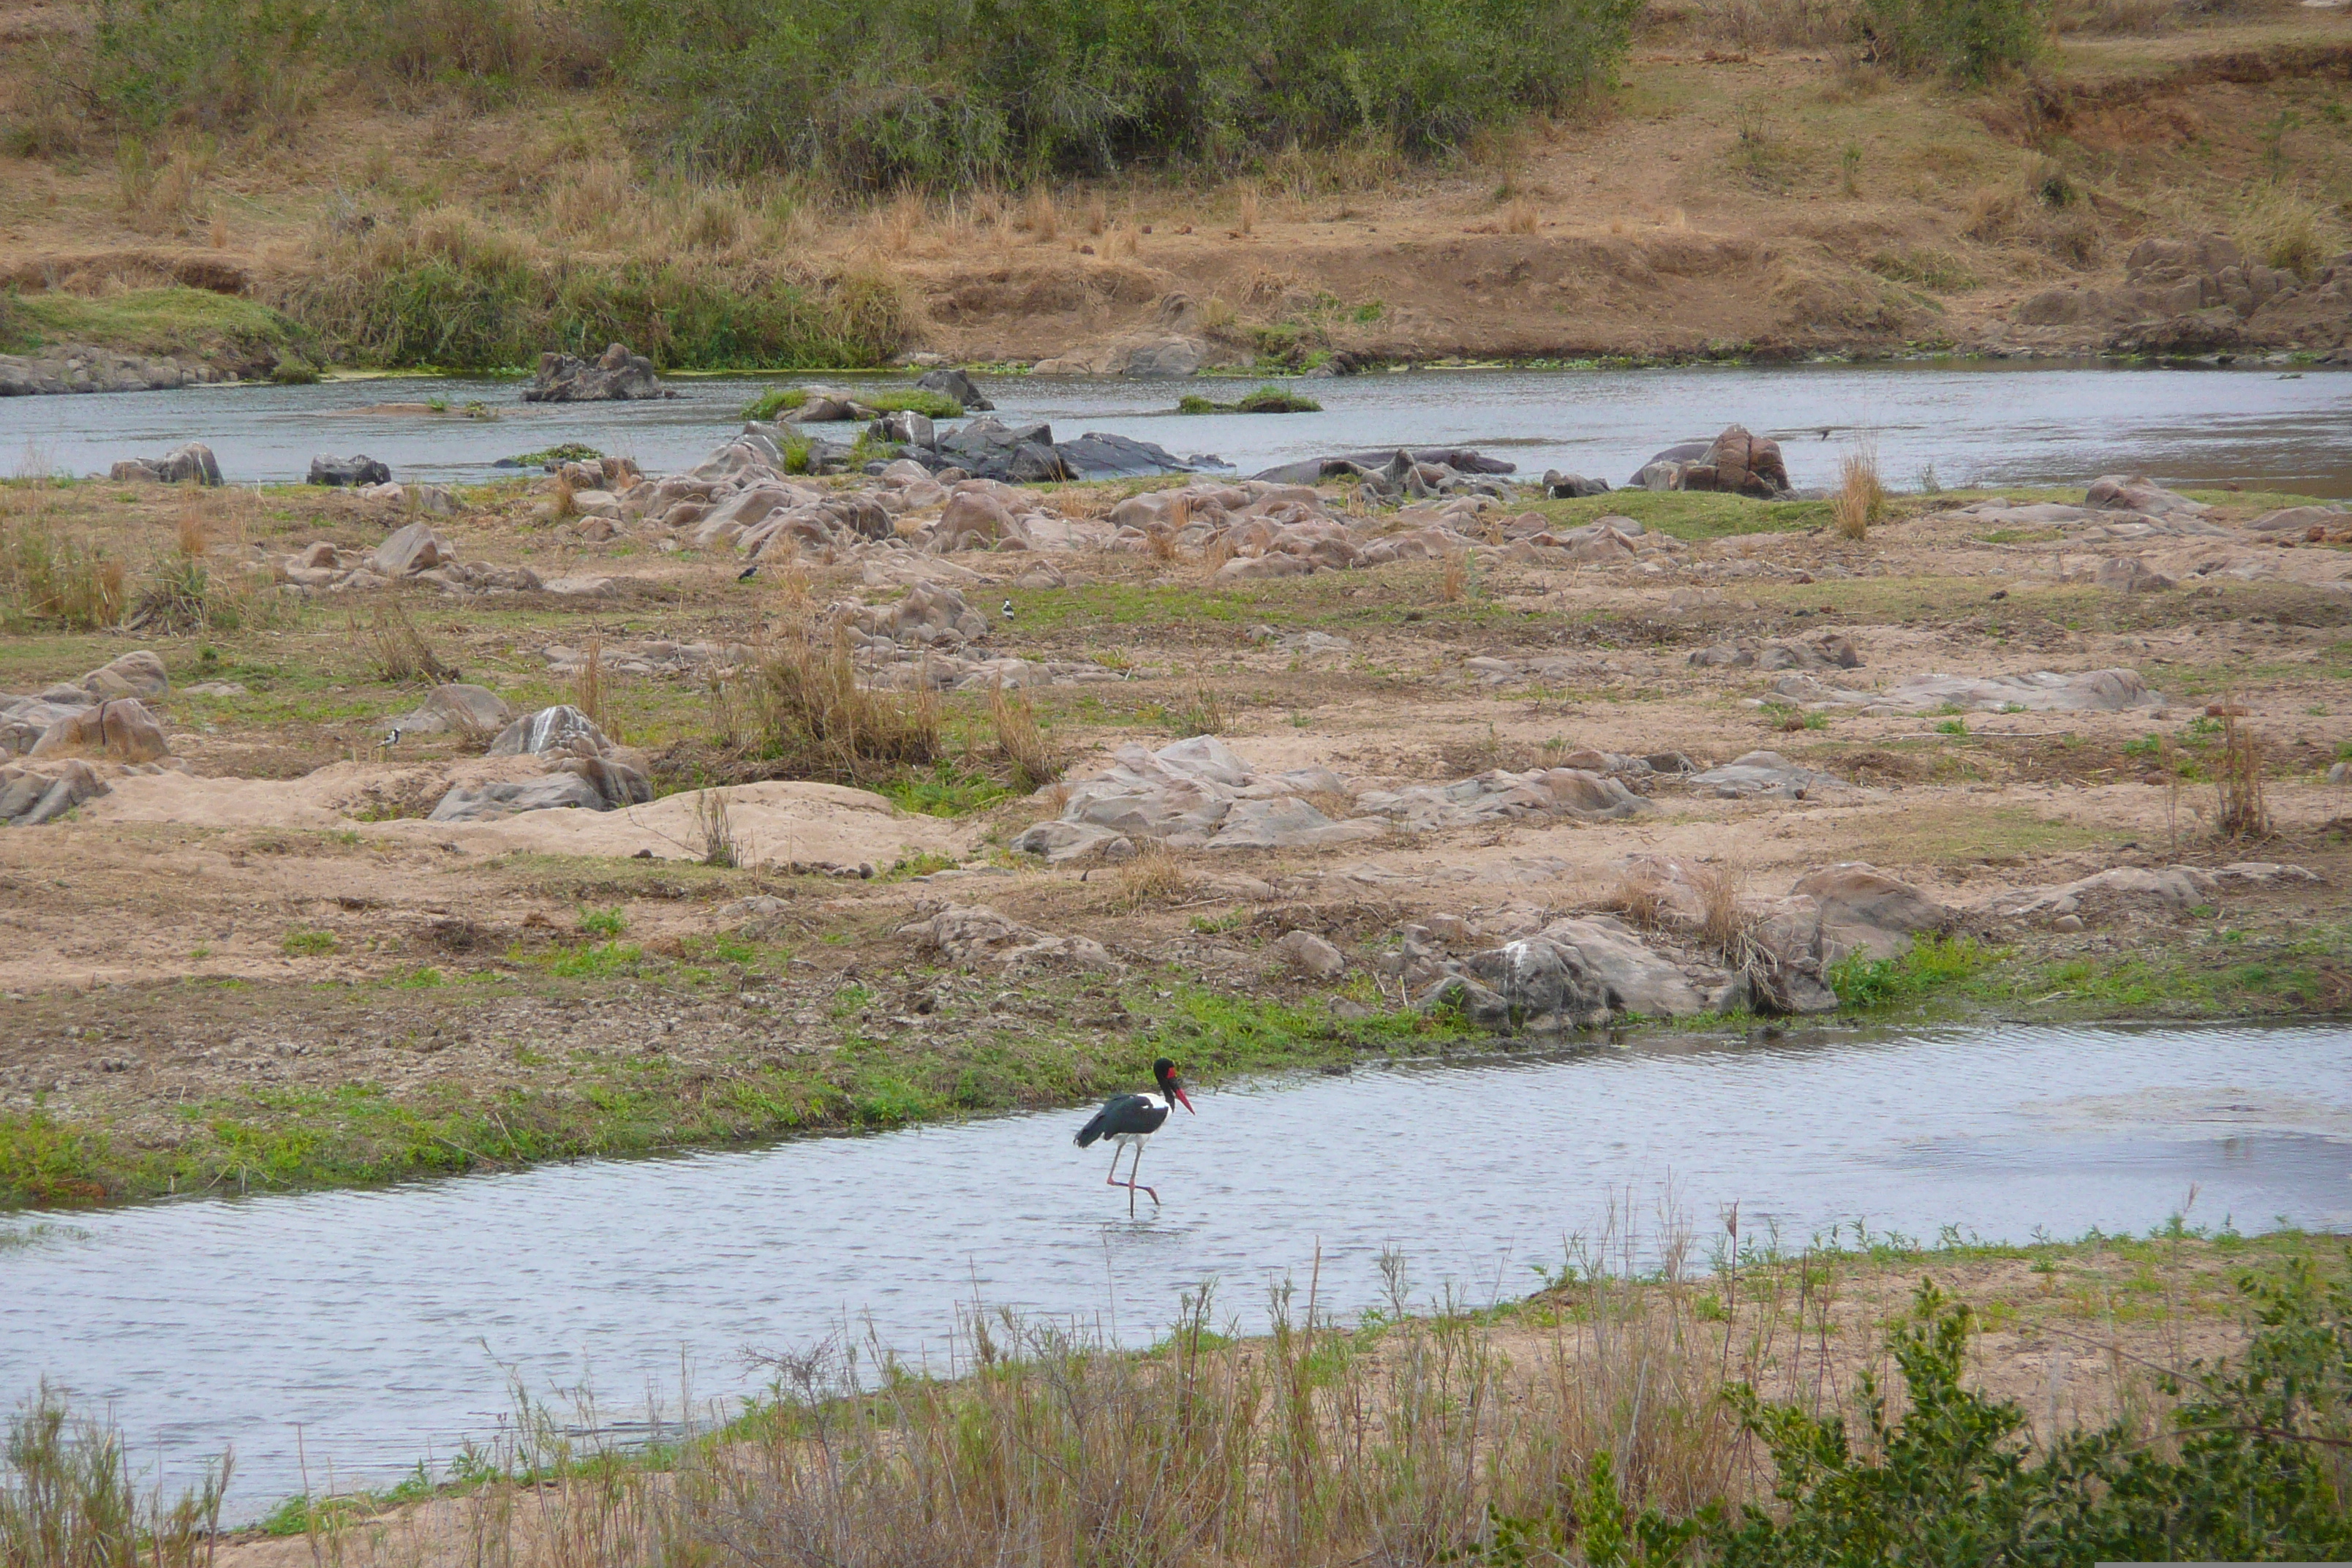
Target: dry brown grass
x=2240 y=808
x=1639 y=898
x=1455 y=580
x=1861 y=499
x=1722 y=926
x=819 y=721
x=394 y=648
x=1152 y=877
x=1039 y=216
x=1247 y=220
x=588 y=692
x=1520 y=216
x=192 y=534
x=1021 y=741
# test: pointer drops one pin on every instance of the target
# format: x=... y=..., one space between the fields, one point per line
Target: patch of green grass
x=196 y=323
x=1689 y=515
x=918 y=865
x=946 y=792
x=598 y=960
x=563 y=452
x=1265 y=400
x=913 y=399
x=309 y=943
x=606 y=923
x=1865 y=984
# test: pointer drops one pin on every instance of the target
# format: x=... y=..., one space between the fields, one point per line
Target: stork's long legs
x=1112 y=1180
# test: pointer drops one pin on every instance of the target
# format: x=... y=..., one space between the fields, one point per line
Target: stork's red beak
x=1178 y=1090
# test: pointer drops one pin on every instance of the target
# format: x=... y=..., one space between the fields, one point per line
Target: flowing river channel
x=2268 y=427
x=347 y=1335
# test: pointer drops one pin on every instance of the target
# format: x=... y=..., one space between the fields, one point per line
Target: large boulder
x=31 y=797
x=1168 y=359
x=2137 y=492
x=408 y=550
x=557 y=730
x=189 y=463
x=957 y=384
x=976 y=519
x=122 y=730
x=1736 y=463
x=347 y=472
x=486 y=802
x=468 y=710
x=1862 y=909
x=618 y=376
x=135 y=673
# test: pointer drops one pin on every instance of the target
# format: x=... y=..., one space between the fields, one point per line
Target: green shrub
x=1969 y=41
x=876 y=95
x=1863 y=983
x=1265 y=400
x=2253 y=1468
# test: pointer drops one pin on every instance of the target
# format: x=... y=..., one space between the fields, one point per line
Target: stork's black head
x=1163 y=1073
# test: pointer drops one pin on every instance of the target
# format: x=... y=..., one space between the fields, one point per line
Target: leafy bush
x=1969 y=41
x=967 y=92
x=1265 y=400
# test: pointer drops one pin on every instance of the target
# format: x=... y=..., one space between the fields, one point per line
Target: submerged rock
x=347 y=472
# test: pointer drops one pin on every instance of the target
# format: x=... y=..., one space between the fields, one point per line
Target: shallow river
x=376 y=1323
x=1973 y=424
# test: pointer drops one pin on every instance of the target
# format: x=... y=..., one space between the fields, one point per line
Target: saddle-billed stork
x=1127 y=1120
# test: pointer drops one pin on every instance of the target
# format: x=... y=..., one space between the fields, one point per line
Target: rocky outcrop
x=958 y=384
x=2043 y=691
x=1734 y=463
x=617 y=375
x=30 y=797
x=457 y=708
x=120 y=730
x=2200 y=295
x=557 y=731
x=190 y=463
x=345 y=472
x=1822 y=650
x=78 y=367
x=974 y=934
x=1197 y=793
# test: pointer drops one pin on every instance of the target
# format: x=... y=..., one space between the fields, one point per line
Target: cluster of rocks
x=929 y=637
x=1389 y=479
x=190 y=463
x=2175 y=887
x=413 y=552
x=988 y=448
x=614 y=376
x=2041 y=691
x=1734 y=463
x=2203 y=295
x=1589 y=970
x=80 y=367
x=1587 y=788
x=103 y=716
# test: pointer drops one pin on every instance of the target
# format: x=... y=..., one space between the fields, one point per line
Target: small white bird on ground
x=1008 y=609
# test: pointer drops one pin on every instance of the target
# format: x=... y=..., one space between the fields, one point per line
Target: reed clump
x=818 y=720
x=1861 y=499
x=2242 y=809
x=1022 y=745
x=47 y=577
x=395 y=650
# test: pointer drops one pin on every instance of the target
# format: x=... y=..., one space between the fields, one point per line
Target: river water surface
x=1961 y=424
x=377 y=1323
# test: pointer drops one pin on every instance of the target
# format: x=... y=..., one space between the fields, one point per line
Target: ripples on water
x=1972 y=424
x=378 y=1321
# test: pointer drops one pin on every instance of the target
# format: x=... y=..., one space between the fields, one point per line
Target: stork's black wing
x=1124 y=1113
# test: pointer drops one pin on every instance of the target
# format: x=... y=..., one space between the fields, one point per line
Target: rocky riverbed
x=474 y=799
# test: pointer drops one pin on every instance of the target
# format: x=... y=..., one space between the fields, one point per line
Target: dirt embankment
x=1739 y=201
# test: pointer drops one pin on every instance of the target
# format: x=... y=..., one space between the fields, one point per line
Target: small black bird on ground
x=1008 y=609
x=745 y=574
x=1128 y=1119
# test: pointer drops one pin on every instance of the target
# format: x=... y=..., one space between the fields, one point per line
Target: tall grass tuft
x=1021 y=741
x=1861 y=499
x=58 y=580
x=66 y=1498
x=394 y=647
x=2242 y=811
x=820 y=723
